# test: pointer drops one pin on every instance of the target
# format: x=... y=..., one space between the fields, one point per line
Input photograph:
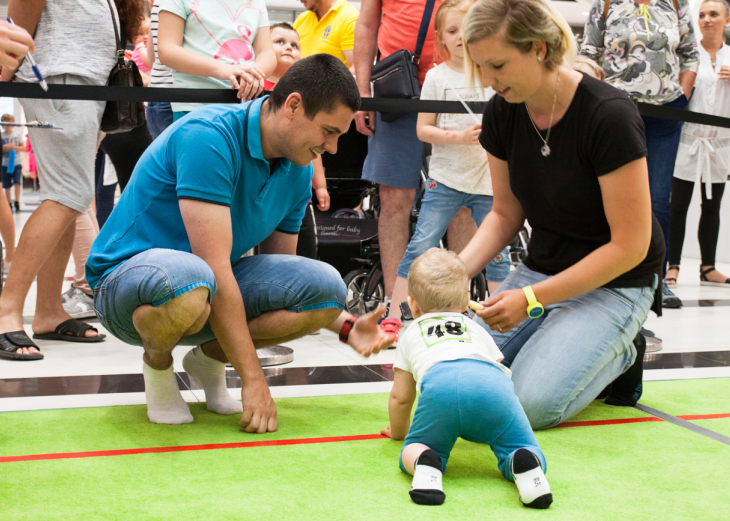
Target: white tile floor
x=682 y=330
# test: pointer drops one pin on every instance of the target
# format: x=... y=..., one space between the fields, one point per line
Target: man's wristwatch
x=534 y=308
x=346 y=328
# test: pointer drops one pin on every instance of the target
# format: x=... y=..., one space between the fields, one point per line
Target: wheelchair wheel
x=478 y=287
x=356 y=302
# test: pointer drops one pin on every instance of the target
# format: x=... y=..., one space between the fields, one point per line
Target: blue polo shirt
x=213 y=155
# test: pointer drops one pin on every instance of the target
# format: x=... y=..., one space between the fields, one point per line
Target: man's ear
x=292 y=104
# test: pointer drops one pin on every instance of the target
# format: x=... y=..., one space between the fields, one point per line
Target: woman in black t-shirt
x=567 y=153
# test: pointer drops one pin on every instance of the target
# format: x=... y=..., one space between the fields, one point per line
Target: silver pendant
x=545 y=150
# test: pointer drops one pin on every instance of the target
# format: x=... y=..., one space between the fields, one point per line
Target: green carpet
x=680 y=397
x=622 y=472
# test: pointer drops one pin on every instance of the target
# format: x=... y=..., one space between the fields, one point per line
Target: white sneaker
x=80 y=305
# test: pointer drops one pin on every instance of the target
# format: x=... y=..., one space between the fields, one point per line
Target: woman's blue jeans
x=662 y=142
x=561 y=361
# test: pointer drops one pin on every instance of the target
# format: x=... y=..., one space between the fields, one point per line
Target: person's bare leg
x=40 y=236
x=17 y=193
x=279 y=326
x=395 y=212
x=461 y=229
x=7 y=229
x=160 y=329
x=400 y=292
x=49 y=312
x=8 y=192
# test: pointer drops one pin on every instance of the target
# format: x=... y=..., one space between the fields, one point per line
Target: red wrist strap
x=346 y=328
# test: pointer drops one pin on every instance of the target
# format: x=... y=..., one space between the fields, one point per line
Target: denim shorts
x=13 y=178
x=440 y=204
x=159 y=117
x=476 y=401
x=267 y=283
x=395 y=154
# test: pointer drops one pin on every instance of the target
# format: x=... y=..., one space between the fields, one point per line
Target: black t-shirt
x=600 y=132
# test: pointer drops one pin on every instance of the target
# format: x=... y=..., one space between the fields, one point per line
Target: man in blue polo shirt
x=166 y=268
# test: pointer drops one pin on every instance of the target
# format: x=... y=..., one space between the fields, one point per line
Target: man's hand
x=367 y=338
x=259 y=409
x=504 y=310
x=365 y=122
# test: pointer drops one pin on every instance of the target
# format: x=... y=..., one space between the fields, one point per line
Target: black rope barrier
x=93 y=93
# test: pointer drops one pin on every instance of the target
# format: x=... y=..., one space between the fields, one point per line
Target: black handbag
x=122 y=116
x=397 y=75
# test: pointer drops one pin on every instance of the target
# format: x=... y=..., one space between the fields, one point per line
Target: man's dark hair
x=283 y=25
x=322 y=80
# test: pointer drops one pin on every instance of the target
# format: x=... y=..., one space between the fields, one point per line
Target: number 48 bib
x=441 y=329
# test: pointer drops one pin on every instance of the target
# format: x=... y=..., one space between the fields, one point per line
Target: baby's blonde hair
x=438 y=281
x=522 y=23
x=7 y=118
x=584 y=61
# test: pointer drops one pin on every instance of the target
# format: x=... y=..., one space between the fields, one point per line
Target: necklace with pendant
x=545 y=150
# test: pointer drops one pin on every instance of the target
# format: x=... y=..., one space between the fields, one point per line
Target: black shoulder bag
x=122 y=116
x=397 y=75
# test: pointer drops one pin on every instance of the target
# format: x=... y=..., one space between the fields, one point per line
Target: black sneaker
x=669 y=299
x=17 y=207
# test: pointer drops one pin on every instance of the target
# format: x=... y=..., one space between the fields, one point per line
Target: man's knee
x=177 y=317
x=396 y=201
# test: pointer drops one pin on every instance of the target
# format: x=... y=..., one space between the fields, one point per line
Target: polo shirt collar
x=252 y=135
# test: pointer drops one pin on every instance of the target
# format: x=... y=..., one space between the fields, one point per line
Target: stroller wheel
x=357 y=302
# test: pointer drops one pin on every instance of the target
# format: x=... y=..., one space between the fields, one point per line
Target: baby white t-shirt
x=443 y=337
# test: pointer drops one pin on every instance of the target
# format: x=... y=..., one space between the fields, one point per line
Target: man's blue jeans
x=267 y=283
x=561 y=361
x=159 y=117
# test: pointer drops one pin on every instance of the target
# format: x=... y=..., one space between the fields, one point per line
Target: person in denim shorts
x=167 y=268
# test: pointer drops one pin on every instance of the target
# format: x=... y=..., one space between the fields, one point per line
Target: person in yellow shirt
x=328 y=26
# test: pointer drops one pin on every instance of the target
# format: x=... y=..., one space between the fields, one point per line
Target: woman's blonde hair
x=442 y=53
x=598 y=71
x=521 y=22
x=438 y=281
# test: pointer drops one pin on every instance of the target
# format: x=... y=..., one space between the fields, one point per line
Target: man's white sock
x=165 y=404
x=530 y=480
x=211 y=375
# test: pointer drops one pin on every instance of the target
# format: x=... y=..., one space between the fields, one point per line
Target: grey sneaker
x=68 y=294
x=80 y=305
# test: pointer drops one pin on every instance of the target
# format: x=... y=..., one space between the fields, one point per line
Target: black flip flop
x=11 y=342
x=77 y=328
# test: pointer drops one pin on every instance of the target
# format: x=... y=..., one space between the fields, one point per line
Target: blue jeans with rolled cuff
x=267 y=283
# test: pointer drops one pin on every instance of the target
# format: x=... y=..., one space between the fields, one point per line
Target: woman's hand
x=470 y=136
x=248 y=81
x=724 y=73
x=504 y=310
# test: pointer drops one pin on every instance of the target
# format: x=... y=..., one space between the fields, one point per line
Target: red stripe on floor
x=303 y=441
x=185 y=448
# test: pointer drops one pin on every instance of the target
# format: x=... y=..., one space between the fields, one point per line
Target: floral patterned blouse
x=642 y=48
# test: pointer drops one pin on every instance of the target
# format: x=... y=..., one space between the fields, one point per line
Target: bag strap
x=423 y=31
x=120 y=49
x=607 y=3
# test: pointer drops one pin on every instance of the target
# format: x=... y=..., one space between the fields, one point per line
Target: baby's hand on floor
x=386 y=432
